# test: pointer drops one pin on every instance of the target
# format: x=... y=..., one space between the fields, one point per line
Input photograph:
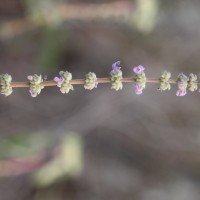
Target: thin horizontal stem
x=82 y=81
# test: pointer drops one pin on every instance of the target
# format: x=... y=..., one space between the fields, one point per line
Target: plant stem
x=82 y=81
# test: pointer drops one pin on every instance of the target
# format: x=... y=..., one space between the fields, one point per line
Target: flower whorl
x=90 y=81
x=164 y=81
x=5 y=84
x=116 y=76
x=182 y=85
x=35 y=84
x=192 y=83
x=140 y=80
x=64 y=81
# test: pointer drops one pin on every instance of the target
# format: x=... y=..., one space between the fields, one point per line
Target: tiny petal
x=115 y=67
x=57 y=79
x=181 y=83
x=139 y=69
x=138 y=92
x=181 y=93
x=136 y=85
x=33 y=94
x=138 y=88
x=30 y=78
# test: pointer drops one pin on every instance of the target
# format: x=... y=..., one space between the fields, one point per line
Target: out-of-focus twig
x=65 y=12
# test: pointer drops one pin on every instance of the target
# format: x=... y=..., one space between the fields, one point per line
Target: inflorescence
x=65 y=81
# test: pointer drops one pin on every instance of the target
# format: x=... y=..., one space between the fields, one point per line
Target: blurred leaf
x=23 y=145
x=43 y=12
x=68 y=163
x=145 y=15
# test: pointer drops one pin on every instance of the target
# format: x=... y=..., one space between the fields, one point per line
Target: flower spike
x=65 y=81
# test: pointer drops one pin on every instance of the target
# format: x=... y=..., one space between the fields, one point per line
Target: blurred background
x=99 y=144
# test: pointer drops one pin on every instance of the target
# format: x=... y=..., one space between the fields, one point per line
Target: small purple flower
x=181 y=83
x=33 y=94
x=181 y=93
x=138 y=92
x=58 y=80
x=139 y=69
x=138 y=88
x=115 y=67
x=30 y=78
